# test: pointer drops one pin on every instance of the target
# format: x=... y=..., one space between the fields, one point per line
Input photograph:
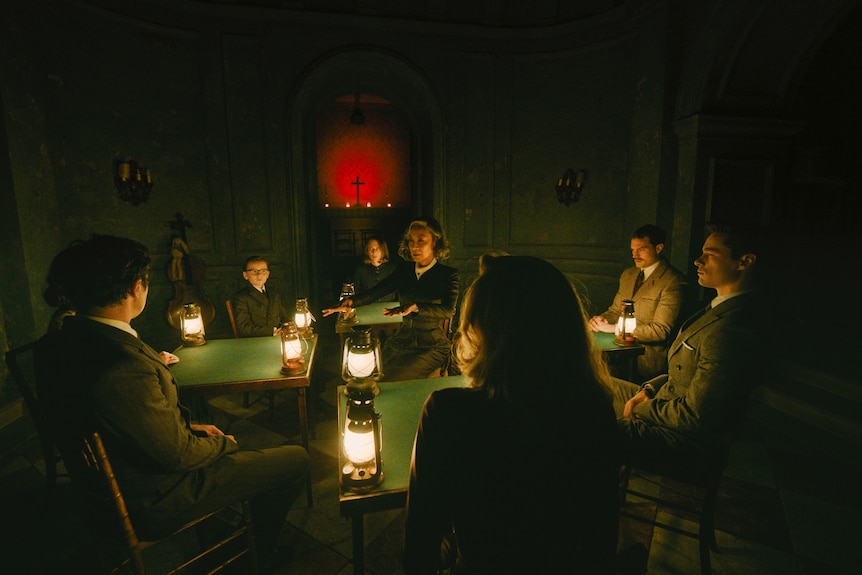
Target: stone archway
x=366 y=71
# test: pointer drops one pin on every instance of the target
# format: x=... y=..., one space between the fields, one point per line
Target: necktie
x=638 y=282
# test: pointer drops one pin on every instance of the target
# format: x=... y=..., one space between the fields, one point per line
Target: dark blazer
x=436 y=292
x=256 y=314
x=366 y=276
x=419 y=346
x=713 y=364
x=657 y=307
x=91 y=375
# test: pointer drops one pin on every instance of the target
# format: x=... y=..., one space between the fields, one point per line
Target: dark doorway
x=364 y=182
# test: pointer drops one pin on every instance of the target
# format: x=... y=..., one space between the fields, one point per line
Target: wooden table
x=241 y=365
x=399 y=404
x=619 y=355
x=370 y=315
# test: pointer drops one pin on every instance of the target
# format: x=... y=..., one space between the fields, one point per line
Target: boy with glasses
x=258 y=309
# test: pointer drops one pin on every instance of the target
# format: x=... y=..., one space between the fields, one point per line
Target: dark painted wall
x=666 y=104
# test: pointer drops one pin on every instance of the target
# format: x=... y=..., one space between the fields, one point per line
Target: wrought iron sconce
x=569 y=186
x=133 y=182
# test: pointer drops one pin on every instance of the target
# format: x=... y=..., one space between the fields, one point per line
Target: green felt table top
x=399 y=404
x=234 y=360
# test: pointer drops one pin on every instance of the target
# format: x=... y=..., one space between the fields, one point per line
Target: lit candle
x=124 y=170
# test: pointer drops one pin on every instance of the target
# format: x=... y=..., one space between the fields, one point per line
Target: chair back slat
x=229 y=306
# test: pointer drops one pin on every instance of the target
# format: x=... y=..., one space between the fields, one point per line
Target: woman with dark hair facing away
x=428 y=293
x=374 y=268
x=518 y=472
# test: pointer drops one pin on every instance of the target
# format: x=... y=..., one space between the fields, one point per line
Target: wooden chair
x=26 y=387
x=690 y=487
x=105 y=507
x=270 y=395
x=229 y=305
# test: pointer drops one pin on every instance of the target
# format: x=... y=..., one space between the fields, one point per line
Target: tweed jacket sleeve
x=103 y=375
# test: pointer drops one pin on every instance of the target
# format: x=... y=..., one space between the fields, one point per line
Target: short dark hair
x=652 y=232
x=739 y=238
x=98 y=272
x=252 y=259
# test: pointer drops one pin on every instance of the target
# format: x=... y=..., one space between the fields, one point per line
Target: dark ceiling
x=489 y=13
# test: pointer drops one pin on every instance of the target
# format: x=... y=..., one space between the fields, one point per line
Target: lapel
x=649 y=283
x=703 y=318
x=259 y=298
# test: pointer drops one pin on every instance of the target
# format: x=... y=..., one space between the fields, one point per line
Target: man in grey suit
x=95 y=373
x=655 y=287
x=713 y=363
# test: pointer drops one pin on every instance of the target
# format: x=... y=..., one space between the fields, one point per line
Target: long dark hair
x=523 y=336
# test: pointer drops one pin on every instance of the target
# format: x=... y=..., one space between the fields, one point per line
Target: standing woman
x=428 y=293
x=518 y=472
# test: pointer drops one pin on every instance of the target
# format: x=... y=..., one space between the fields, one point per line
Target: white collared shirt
x=723 y=298
x=421 y=270
x=649 y=270
x=113 y=323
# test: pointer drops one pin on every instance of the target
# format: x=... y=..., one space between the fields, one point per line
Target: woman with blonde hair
x=518 y=472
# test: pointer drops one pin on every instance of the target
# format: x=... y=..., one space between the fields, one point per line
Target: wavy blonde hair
x=441 y=243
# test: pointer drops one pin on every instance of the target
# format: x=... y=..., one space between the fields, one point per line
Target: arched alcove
x=390 y=79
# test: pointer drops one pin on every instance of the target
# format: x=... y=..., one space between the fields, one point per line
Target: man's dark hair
x=652 y=232
x=741 y=239
x=100 y=271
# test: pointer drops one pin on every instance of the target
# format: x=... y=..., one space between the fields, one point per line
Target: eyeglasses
x=257 y=272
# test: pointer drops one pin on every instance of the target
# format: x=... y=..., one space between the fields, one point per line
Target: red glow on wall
x=373 y=158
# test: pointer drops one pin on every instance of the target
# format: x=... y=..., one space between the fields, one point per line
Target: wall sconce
x=133 y=182
x=192 y=325
x=569 y=186
x=303 y=318
x=357 y=118
x=361 y=440
x=348 y=290
x=626 y=324
x=292 y=349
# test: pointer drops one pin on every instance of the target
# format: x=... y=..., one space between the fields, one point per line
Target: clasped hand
x=628 y=408
x=210 y=430
x=598 y=323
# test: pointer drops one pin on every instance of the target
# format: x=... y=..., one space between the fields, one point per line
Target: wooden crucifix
x=357 y=183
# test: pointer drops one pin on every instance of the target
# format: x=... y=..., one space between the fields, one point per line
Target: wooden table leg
x=303 y=424
x=358 y=533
